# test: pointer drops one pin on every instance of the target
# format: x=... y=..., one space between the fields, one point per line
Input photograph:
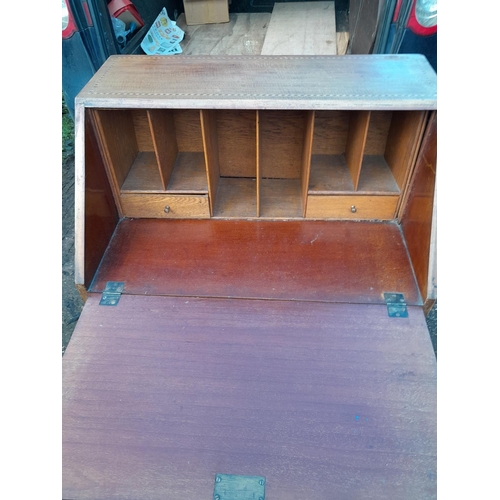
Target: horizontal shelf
x=236 y=197
x=280 y=198
x=330 y=175
x=188 y=176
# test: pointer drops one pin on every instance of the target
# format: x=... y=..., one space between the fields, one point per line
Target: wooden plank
x=236 y=143
x=306 y=159
x=363 y=22
x=280 y=198
x=258 y=159
x=161 y=123
x=236 y=197
x=243 y=34
x=403 y=142
x=142 y=130
x=154 y=205
x=330 y=175
x=378 y=130
x=341 y=207
x=330 y=132
x=260 y=82
x=206 y=11
x=189 y=174
x=144 y=175
x=301 y=28
x=346 y=261
x=95 y=224
x=188 y=129
x=208 y=119
x=418 y=217
x=356 y=140
x=161 y=393
x=342 y=42
x=116 y=134
x=281 y=143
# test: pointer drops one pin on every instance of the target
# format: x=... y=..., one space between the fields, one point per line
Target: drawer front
x=159 y=206
x=351 y=207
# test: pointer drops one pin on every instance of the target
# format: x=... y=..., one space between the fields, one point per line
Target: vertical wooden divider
x=356 y=141
x=401 y=149
x=162 y=127
x=118 y=144
x=305 y=169
x=208 y=119
x=257 y=159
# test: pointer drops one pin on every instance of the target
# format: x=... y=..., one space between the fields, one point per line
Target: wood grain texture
x=236 y=197
x=142 y=130
x=236 y=143
x=161 y=123
x=153 y=205
x=95 y=226
x=116 y=133
x=144 y=175
x=363 y=16
x=417 y=219
x=378 y=129
x=281 y=143
x=330 y=132
x=206 y=11
x=259 y=82
x=189 y=174
x=160 y=394
x=346 y=261
x=281 y=198
x=306 y=159
x=342 y=42
x=356 y=140
x=242 y=35
x=330 y=175
x=208 y=120
x=258 y=159
x=301 y=28
x=340 y=207
x=403 y=142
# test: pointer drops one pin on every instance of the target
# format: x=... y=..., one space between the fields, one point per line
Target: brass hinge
x=235 y=487
x=112 y=292
x=396 y=305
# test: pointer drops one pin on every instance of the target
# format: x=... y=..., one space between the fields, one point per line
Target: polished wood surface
x=180 y=206
x=380 y=81
x=100 y=216
x=301 y=28
x=417 y=220
x=324 y=400
x=351 y=207
x=296 y=260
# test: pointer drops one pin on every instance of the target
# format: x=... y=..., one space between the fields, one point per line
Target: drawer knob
x=353 y=209
x=166 y=209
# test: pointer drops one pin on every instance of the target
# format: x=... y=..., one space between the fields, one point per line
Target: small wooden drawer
x=351 y=207
x=159 y=206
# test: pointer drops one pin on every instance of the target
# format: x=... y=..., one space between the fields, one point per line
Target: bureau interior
x=258 y=163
